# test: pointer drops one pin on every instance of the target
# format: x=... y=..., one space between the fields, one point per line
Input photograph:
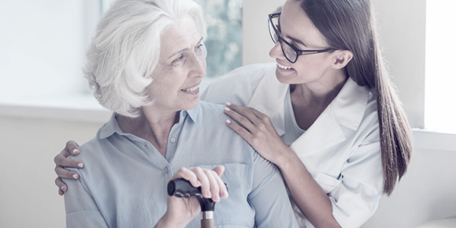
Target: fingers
x=187 y=174
x=240 y=130
x=61 y=160
x=243 y=115
x=219 y=171
x=62 y=172
x=214 y=187
x=71 y=148
x=252 y=114
x=210 y=182
x=62 y=186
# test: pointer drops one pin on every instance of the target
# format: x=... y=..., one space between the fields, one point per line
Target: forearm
x=307 y=194
x=164 y=222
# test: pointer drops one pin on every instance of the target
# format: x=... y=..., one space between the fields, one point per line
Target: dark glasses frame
x=275 y=31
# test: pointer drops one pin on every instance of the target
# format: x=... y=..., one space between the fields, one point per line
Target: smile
x=190 y=89
x=284 y=67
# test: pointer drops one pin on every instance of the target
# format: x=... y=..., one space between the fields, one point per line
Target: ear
x=342 y=58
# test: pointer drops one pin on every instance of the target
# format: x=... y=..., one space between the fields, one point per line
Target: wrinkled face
x=181 y=67
x=297 y=29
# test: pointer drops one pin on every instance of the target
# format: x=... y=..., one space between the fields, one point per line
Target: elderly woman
x=145 y=63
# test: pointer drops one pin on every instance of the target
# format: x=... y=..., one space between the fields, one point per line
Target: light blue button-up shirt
x=123 y=183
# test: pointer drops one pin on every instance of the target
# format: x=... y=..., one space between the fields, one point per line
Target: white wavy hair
x=126 y=48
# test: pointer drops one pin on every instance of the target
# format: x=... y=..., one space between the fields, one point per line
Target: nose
x=197 y=65
x=276 y=51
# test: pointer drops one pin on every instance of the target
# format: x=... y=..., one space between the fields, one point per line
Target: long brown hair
x=350 y=25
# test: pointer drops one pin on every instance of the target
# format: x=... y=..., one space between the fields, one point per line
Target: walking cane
x=182 y=188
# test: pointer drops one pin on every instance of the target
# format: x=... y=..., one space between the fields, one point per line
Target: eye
x=199 y=48
x=179 y=59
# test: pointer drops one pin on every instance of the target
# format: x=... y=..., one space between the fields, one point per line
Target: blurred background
x=45 y=100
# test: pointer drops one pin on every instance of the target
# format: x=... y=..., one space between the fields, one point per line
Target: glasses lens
x=273 y=27
x=288 y=51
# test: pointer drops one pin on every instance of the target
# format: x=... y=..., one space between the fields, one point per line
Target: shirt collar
x=347 y=107
x=112 y=126
x=192 y=113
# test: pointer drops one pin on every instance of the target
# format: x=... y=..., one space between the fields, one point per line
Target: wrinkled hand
x=257 y=129
x=61 y=161
x=181 y=211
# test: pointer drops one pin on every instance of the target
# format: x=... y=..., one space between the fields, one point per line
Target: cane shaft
x=207 y=223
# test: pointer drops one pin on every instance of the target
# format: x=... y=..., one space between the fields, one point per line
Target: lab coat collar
x=346 y=109
x=269 y=98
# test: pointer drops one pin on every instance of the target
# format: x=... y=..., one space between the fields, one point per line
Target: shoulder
x=238 y=85
x=212 y=116
x=208 y=111
x=369 y=128
x=248 y=72
x=91 y=151
x=211 y=122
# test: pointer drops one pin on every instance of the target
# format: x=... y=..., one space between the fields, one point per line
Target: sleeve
x=269 y=197
x=81 y=209
x=236 y=86
x=356 y=198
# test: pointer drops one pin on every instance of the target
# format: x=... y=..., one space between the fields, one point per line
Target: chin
x=191 y=104
x=285 y=79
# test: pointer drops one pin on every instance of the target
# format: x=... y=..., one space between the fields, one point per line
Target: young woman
x=326 y=113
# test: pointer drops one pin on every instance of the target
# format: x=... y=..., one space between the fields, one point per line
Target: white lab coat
x=341 y=150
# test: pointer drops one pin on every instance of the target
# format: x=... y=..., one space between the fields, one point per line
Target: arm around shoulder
x=81 y=209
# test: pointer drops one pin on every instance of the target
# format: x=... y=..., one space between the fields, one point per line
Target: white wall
x=427 y=192
x=28 y=196
x=402 y=29
x=256 y=39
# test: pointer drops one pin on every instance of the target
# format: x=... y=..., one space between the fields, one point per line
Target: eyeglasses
x=289 y=50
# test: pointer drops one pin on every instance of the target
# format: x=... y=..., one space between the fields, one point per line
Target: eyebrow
x=296 y=41
x=183 y=50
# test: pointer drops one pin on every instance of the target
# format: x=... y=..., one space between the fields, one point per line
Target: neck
x=320 y=92
x=152 y=125
x=310 y=99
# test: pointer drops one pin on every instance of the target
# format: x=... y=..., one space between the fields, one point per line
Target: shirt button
x=166 y=170
x=146 y=146
x=173 y=140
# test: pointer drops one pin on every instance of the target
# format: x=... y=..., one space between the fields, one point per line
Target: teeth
x=191 y=89
x=284 y=67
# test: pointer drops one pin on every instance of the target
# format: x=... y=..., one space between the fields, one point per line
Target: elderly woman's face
x=181 y=67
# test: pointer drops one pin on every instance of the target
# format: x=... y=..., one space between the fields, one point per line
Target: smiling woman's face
x=181 y=67
x=297 y=29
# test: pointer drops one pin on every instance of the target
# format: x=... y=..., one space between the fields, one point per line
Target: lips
x=191 y=89
x=284 y=67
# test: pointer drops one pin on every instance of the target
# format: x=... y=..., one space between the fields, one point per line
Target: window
x=224 y=35
x=41 y=49
x=440 y=92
